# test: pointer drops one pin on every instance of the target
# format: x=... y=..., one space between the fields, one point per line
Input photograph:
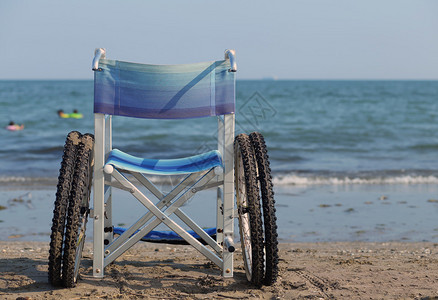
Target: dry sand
x=350 y=270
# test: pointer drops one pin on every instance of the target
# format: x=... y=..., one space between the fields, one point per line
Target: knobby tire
x=78 y=211
x=268 y=203
x=65 y=179
x=249 y=209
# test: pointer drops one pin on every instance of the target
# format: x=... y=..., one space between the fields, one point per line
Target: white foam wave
x=304 y=180
x=280 y=180
x=5 y=179
x=19 y=180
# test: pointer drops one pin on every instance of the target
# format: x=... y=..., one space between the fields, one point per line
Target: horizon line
x=245 y=79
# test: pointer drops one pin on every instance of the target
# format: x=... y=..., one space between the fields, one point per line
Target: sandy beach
x=350 y=270
x=398 y=260
x=389 y=250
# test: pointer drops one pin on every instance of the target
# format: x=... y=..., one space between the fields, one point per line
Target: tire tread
x=243 y=144
x=60 y=207
x=269 y=211
x=80 y=187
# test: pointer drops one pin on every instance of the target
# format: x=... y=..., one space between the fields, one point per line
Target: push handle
x=98 y=54
x=231 y=55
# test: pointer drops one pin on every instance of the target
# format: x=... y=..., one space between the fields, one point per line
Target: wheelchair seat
x=186 y=165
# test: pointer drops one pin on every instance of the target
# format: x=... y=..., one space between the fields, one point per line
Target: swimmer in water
x=76 y=115
x=14 y=127
x=63 y=115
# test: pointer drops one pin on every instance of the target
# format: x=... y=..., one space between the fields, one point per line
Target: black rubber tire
x=78 y=211
x=65 y=179
x=250 y=218
x=268 y=202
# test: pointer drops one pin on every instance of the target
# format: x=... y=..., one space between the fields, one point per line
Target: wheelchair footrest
x=170 y=237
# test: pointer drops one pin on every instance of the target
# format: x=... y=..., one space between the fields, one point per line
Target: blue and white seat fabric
x=187 y=165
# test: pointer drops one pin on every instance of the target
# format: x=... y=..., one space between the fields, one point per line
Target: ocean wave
x=293 y=179
x=278 y=180
x=52 y=181
x=27 y=181
x=426 y=146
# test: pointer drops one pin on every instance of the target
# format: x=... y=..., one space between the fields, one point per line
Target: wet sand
x=350 y=270
x=321 y=213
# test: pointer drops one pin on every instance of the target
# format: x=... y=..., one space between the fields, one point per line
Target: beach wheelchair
x=239 y=169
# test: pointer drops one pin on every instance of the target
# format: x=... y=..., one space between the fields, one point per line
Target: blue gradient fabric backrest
x=164 y=91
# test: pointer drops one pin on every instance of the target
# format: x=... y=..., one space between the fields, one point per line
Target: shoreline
x=348 y=270
x=319 y=213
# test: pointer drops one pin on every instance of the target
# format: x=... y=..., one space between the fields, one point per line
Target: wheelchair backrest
x=164 y=91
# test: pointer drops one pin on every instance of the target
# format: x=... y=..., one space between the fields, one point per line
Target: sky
x=295 y=39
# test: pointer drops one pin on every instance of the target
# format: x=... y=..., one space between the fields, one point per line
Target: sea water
x=343 y=135
x=334 y=132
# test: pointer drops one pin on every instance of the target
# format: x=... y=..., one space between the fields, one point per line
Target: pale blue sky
x=306 y=39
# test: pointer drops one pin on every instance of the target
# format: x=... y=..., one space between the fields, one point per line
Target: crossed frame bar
x=168 y=204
